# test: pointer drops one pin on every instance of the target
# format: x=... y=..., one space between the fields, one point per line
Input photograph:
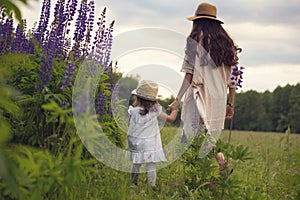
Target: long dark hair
x=145 y=104
x=216 y=41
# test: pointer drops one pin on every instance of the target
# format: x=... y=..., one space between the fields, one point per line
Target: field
x=270 y=170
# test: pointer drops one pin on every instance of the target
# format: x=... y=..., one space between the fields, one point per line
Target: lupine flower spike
x=237 y=76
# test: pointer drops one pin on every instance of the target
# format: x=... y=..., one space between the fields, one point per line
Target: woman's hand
x=229 y=112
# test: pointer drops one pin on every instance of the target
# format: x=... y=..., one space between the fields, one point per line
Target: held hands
x=229 y=109
x=174 y=105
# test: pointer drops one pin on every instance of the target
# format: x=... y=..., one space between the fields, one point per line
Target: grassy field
x=266 y=166
x=273 y=172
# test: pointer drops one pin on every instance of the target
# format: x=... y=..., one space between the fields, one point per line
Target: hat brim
x=203 y=17
x=143 y=97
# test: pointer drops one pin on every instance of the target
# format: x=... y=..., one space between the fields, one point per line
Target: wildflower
x=20 y=42
x=99 y=39
x=237 y=76
x=6 y=36
x=100 y=104
x=90 y=23
x=75 y=56
x=44 y=20
x=108 y=44
x=80 y=29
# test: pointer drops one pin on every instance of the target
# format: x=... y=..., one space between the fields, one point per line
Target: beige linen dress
x=204 y=105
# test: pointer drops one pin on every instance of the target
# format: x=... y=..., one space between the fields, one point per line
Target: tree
x=294 y=112
x=249 y=111
x=280 y=108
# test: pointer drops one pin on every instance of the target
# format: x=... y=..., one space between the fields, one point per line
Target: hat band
x=206 y=15
x=145 y=95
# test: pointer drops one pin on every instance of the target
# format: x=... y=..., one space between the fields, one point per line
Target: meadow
x=42 y=157
x=272 y=173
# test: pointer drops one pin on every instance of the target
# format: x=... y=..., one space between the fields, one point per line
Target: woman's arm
x=184 y=86
x=230 y=105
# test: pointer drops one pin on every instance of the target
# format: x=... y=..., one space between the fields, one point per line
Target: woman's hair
x=216 y=41
x=145 y=104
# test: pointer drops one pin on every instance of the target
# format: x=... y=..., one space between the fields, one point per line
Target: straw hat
x=205 y=10
x=147 y=90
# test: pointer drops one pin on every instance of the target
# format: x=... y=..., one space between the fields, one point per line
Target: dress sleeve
x=189 y=57
x=130 y=110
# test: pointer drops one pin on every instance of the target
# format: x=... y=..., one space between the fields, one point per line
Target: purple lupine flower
x=72 y=4
x=69 y=16
x=108 y=45
x=6 y=36
x=2 y=28
x=99 y=39
x=67 y=80
x=100 y=105
x=90 y=23
x=46 y=68
x=20 y=42
x=52 y=44
x=44 y=20
x=78 y=38
x=80 y=29
x=237 y=76
x=2 y=22
x=103 y=42
x=58 y=28
x=49 y=53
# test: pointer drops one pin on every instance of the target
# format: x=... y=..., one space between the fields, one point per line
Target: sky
x=151 y=34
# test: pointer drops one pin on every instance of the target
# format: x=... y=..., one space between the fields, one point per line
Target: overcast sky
x=267 y=31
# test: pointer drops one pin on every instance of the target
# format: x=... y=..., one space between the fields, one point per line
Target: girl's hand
x=229 y=112
x=174 y=105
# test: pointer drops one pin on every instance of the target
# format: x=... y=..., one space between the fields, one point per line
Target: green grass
x=266 y=166
x=272 y=173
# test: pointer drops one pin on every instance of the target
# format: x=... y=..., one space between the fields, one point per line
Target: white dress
x=143 y=138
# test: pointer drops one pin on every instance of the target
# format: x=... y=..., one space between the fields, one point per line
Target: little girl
x=143 y=138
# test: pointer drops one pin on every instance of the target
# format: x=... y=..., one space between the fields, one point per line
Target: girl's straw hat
x=147 y=90
x=205 y=10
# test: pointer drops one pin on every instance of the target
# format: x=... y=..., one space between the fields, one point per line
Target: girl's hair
x=145 y=104
x=216 y=41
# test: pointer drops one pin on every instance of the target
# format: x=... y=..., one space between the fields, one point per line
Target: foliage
x=205 y=179
x=11 y=8
x=41 y=156
x=269 y=111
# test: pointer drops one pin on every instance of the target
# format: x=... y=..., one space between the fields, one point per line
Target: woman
x=209 y=58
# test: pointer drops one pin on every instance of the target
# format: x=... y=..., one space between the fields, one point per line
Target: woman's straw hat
x=205 y=10
x=146 y=90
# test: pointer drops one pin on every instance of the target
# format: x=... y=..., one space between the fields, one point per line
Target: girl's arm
x=171 y=117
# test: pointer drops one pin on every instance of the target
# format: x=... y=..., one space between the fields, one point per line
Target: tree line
x=254 y=111
x=268 y=111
